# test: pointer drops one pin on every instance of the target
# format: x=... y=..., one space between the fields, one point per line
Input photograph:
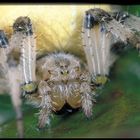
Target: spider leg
x=16 y=100
x=19 y=120
x=10 y=74
x=23 y=70
x=4 y=45
x=46 y=104
x=87 y=99
x=122 y=26
x=87 y=96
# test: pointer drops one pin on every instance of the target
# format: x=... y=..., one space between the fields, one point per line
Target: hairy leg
x=16 y=100
x=46 y=104
x=11 y=76
x=87 y=99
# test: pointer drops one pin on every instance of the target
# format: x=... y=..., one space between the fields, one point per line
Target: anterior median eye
x=64 y=72
x=61 y=67
x=61 y=72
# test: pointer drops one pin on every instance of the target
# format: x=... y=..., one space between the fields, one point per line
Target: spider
x=60 y=79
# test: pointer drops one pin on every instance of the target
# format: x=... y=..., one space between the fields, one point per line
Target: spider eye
x=61 y=66
x=62 y=72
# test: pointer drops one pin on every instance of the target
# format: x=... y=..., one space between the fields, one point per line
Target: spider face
x=62 y=67
x=24 y=25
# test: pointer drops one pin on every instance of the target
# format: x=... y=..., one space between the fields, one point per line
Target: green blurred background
x=116 y=114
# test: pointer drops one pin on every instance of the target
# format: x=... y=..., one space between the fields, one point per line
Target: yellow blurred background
x=57 y=27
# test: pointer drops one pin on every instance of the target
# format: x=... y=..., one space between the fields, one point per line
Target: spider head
x=63 y=64
x=62 y=67
x=24 y=25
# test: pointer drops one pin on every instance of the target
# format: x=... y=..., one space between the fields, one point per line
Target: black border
x=65 y=2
